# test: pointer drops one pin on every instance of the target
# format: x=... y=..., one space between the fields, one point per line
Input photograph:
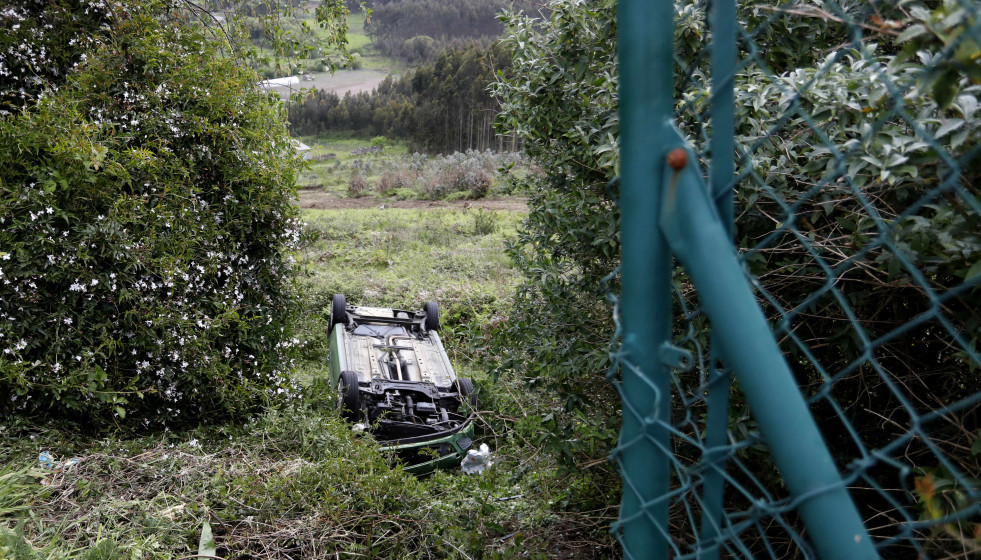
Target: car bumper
x=424 y=454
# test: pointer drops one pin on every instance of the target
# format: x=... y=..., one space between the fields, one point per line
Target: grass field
x=402 y=258
x=296 y=481
x=333 y=174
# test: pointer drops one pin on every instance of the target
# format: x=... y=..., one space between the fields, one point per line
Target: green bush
x=458 y=195
x=401 y=194
x=355 y=62
x=146 y=203
x=856 y=213
x=485 y=222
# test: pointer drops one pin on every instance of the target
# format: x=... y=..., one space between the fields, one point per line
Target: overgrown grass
x=333 y=174
x=395 y=173
x=296 y=481
x=402 y=258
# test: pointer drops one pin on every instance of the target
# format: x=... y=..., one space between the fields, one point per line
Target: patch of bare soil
x=341 y=82
x=318 y=199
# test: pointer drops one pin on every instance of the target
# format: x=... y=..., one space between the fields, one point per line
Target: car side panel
x=338 y=359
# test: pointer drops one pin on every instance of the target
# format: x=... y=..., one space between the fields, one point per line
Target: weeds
x=484 y=222
x=402 y=258
x=397 y=174
x=292 y=482
x=296 y=481
x=17 y=486
x=357 y=186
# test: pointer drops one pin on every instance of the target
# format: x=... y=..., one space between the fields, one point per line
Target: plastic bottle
x=477 y=461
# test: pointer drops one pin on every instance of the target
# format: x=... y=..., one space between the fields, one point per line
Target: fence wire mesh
x=857 y=213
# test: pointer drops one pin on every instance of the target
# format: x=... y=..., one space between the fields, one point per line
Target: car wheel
x=431 y=308
x=467 y=390
x=338 y=312
x=349 y=395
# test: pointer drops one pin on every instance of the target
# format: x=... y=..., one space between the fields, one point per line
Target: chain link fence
x=841 y=143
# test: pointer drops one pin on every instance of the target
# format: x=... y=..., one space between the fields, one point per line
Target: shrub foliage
x=147 y=213
x=876 y=114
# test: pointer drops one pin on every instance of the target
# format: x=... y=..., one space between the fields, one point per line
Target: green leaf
x=911 y=32
x=206 y=546
x=121 y=412
x=975 y=270
x=976 y=448
x=945 y=88
x=948 y=127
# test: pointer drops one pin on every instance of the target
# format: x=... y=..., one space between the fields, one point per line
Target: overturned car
x=394 y=379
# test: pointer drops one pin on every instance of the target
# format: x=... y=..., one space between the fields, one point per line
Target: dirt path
x=318 y=199
x=341 y=82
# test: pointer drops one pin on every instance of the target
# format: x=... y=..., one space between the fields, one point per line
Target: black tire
x=467 y=390
x=338 y=312
x=431 y=309
x=349 y=395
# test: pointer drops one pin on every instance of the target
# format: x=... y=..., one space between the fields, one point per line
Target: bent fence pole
x=702 y=244
x=670 y=205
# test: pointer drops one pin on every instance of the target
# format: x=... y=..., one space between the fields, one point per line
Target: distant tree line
x=443 y=106
x=418 y=30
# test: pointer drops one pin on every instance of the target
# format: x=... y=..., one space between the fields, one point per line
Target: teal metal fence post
x=646 y=64
x=700 y=241
x=722 y=21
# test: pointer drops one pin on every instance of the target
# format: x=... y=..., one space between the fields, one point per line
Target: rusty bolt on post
x=677 y=159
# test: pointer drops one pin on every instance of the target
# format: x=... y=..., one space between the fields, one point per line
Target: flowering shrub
x=146 y=225
x=41 y=44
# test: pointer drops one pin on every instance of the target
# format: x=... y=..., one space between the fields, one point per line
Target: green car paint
x=408 y=396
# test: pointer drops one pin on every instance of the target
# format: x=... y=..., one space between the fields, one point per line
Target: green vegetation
x=401 y=258
x=295 y=43
x=418 y=30
x=845 y=150
x=193 y=148
x=148 y=221
x=348 y=167
x=439 y=107
x=571 y=238
x=279 y=39
x=361 y=44
x=155 y=278
x=295 y=479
